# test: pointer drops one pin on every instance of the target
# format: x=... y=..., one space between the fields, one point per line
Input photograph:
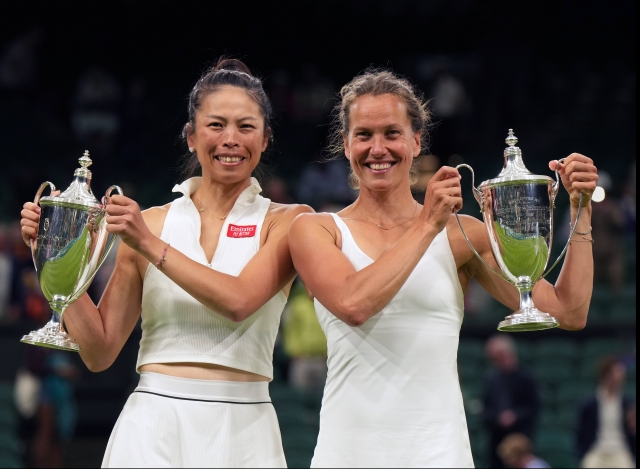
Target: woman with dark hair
x=210 y=274
x=388 y=276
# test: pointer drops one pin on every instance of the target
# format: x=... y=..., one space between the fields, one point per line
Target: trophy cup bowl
x=71 y=245
x=517 y=208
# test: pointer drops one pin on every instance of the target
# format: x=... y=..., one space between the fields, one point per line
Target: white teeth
x=230 y=159
x=380 y=167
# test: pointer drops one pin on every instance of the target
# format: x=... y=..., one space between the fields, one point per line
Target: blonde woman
x=388 y=276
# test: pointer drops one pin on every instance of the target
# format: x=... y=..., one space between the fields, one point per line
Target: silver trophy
x=71 y=245
x=517 y=207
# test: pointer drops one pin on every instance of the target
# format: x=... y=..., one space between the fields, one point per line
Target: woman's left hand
x=124 y=218
x=579 y=175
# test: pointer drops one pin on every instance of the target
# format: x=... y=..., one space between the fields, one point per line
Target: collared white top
x=176 y=328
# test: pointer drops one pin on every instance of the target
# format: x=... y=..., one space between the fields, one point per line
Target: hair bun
x=235 y=65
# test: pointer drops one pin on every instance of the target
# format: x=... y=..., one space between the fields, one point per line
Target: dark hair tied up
x=227 y=72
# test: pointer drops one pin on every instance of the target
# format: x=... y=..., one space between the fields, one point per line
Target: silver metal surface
x=517 y=208
x=71 y=245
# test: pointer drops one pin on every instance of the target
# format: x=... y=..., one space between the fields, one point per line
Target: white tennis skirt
x=179 y=422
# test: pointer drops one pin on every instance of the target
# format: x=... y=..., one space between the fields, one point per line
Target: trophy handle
x=36 y=200
x=573 y=230
x=112 y=237
x=556 y=185
x=480 y=198
x=108 y=194
x=41 y=189
x=477 y=193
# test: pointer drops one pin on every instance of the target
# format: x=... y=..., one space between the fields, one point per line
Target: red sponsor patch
x=241 y=231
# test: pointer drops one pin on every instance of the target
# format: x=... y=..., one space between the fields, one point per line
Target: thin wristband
x=163 y=257
x=583 y=232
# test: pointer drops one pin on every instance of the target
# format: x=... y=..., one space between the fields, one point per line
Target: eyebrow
x=213 y=116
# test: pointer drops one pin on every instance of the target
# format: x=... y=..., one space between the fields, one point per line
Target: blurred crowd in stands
x=517 y=414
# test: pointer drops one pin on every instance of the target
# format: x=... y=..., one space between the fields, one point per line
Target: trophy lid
x=514 y=170
x=78 y=194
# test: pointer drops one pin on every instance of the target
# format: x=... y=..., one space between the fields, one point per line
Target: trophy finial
x=511 y=139
x=85 y=161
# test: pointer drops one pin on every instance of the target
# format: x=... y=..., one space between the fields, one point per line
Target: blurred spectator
x=511 y=401
x=450 y=105
x=19 y=62
x=312 y=95
x=25 y=293
x=95 y=119
x=5 y=272
x=426 y=166
x=322 y=183
x=304 y=342
x=55 y=411
x=515 y=451
x=608 y=223
x=280 y=92
x=604 y=436
x=276 y=189
x=628 y=201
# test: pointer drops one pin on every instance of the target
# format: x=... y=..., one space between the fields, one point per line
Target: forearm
x=366 y=292
x=225 y=294
x=573 y=289
x=83 y=321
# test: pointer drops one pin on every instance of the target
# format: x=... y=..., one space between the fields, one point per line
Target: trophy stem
x=528 y=317
x=52 y=335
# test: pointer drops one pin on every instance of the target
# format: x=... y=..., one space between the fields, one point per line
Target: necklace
x=204 y=208
x=397 y=224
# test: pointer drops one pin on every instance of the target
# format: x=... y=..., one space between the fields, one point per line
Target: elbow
x=96 y=365
x=353 y=315
x=98 y=359
x=576 y=323
x=238 y=311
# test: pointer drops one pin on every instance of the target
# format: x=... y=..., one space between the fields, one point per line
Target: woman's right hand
x=29 y=224
x=443 y=197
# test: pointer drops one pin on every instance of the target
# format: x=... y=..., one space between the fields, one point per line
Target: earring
x=191 y=149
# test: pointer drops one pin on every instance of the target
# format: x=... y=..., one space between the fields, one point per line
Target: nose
x=230 y=138
x=377 y=146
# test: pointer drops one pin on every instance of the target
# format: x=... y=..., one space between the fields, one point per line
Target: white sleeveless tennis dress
x=178 y=422
x=392 y=397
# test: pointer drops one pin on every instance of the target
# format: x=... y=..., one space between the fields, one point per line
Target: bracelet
x=583 y=232
x=163 y=257
x=584 y=240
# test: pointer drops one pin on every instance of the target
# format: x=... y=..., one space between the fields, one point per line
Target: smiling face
x=381 y=144
x=229 y=135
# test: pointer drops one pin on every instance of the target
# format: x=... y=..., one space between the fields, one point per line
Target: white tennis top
x=176 y=328
x=392 y=397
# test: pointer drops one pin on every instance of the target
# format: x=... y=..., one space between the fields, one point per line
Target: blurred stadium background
x=113 y=78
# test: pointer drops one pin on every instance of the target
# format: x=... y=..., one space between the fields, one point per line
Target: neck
x=391 y=205
x=216 y=197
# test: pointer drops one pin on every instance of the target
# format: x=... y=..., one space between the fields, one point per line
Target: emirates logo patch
x=241 y=231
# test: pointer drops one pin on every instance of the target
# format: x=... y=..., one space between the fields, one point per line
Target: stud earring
x=191 y=149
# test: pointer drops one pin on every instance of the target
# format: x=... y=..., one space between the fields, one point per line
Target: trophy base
x=51 y=336
x=529 y=320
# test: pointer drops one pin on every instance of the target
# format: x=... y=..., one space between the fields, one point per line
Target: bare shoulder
x=154 y=217
x=475 y=231
x=280 y=214
x=306 y=222
x=471 y=225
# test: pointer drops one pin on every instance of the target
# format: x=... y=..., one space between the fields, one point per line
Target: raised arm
x=355 y=296
x=568 y=300
x=235 y=298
